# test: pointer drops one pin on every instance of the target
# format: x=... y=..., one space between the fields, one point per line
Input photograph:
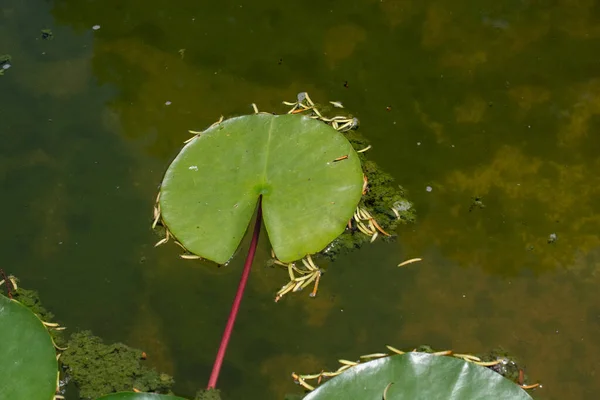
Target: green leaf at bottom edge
x=418 y=376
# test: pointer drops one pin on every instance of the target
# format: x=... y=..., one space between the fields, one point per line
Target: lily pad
x=139 y=396
x=28 y=367
x=418 y=376
x=211 y=189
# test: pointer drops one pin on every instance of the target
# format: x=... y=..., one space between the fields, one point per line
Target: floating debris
x=552 y=238
x=429 y=188
x=5 y=62
x=47 y=34
x=96 y=27
x=337 y=104
x=477 y=203
x=412 y=260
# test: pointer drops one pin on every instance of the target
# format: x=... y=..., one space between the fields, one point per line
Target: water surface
x=478 y=100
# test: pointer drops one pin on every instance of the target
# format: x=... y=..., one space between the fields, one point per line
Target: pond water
x=466 y=104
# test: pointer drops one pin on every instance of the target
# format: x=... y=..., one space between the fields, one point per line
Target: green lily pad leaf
x=28 y=366
x=210 y=191
x=418 y=376
x=139 y=396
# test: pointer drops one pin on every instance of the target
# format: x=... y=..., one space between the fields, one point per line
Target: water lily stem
x=214 y=376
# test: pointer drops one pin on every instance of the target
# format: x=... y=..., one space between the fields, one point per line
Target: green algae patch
x=385 y=200
x=98 y=369
x=208 y=394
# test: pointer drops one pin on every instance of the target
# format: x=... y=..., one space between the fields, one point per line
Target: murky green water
x=497 y=100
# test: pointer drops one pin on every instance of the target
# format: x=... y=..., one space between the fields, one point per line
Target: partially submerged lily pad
x=28 y=366
x=307 y=173
x=418 y=376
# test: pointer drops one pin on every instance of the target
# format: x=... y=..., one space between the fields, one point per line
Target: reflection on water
x=493 y=102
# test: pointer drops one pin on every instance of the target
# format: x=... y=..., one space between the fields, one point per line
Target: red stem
x=212 y=383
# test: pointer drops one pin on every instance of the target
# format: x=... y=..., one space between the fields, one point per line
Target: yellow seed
x=379 y=228
x=363 y=150
x=365 y=213
x=273 y=253
x=346 y=362
x=216 y=123
x=311 y=279
x=286 y=289
x=317 y=112
x=313 y=376
x=357 y=217
x=442 y=353
x=304 y=384
x=530 y=386
x=467 y=357
x=50 y=324
x=371 y=226
x=180 y=245
x=297 y=287
x=303 y=278
x=386 y=390
x=307 y=264
x=412 y=260
x=374 y=355
x=345 y=126
x=293 y=109
x=396 y=212
x=374 y=237
x=363 y=229
x=291 y=272
x=57 y=348
x=190 y=257
x=308 y=100
x=287 y=103
x=310 y=261
x=335 y=125
x=255 y=108
x=343 y=368
x=487 y=363
x=155 y=221
x=161 y=241
x=14 y=282
x=395 y=350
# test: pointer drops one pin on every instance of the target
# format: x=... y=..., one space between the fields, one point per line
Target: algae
x=98 y=369
x=208 y=394
x=382 y=196
x=94 y=367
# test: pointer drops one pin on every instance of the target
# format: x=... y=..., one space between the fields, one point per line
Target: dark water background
x=498 y=100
